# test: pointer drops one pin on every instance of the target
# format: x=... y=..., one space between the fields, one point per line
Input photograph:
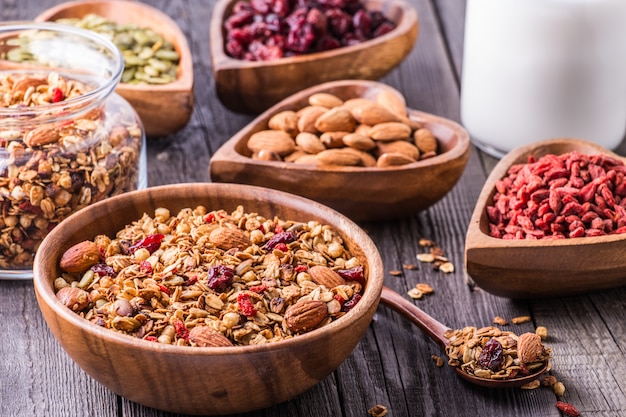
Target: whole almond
x=305 y=315
x=271 y=140
x=323 y=275
x=42 y=135
x=393 y=159
x=371 y=113
x=295 y=155
x=309 y=143
x=285 y=120
x=307 y=159
x=367 y=159
x=74 y=298
x=336 y=119
x=325 y=100
x=333 y=139
x=399 y=146
x=529 y=348
x=338 y=157
x=390 y=131
x=308 y=116
x=358 y=141
x=226 y=238
x=80 y=257
x=425 y=140
x=204 y=336
x=394 y=102
x=266 y=155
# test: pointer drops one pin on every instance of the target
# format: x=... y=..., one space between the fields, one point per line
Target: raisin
x=103 y=270
x=220 y=277
x=492 y=355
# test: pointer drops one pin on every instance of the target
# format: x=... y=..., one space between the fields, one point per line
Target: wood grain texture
x=252 y=87
x=392 y=364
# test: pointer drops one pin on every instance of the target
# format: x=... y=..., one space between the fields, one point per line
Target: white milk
x=540 y=69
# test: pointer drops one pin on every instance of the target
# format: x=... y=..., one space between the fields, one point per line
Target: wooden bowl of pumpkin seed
x=158 y=73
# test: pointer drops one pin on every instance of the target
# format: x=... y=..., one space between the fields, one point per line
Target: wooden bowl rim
x=183 y=82
x=221 y=61
x=477 y=238
x=227 y=151
x=371 y=296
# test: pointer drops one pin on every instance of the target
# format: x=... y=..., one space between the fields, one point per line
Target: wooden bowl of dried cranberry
x=550 y=221
x=201 y=378
x=265 y=50
x=169 y=88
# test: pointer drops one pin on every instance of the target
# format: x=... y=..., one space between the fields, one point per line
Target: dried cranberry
x=103 y=270
x=362 y=23
x=220 y=277
x=150 y=242
x=351 y=303
x=57 y=95
x=145 y=267
x=284 y=237
x=353 y=274
x=492 y=355
x=181 y=330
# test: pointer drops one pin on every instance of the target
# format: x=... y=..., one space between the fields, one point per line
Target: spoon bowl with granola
x=488 y=356
x=182 y=297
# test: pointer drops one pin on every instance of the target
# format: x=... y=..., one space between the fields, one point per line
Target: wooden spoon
x=435 y=330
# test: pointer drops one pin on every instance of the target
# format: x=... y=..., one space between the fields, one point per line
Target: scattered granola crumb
x=446 y=267
x=425 y=257
x=500 y=321
x=559 y=389
x=163 y=156
x=424 y=288
x=436 y=256
x=438 y=360
x=415 y=293
x=395 y=272
x=520 y=319
x=409 y=267
x=542 y=332
x=377 y=411
x=423 y=242
x=548 y=381
x=532 y=385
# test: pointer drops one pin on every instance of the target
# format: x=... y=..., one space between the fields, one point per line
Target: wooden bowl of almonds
x=352 y=145
x=550 y=221
x=158 y=75
x=182 y=297
x=262 y=53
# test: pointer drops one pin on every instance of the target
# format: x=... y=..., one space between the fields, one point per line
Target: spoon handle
x=432 y=327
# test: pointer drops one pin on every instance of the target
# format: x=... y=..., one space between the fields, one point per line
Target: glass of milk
x=541 y=69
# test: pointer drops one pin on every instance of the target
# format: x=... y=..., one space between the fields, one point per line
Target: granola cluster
x=201 y=278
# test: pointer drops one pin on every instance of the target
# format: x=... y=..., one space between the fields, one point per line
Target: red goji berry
x=57 y=95
x=164 y=289
x=209 y=218
x=191 y=280
x=181 y=329
x=281 y=247
x=258 y=288
x=301 y=268
x=340 y=299
x=567 y=409
x=245 y=305
x=151 y=338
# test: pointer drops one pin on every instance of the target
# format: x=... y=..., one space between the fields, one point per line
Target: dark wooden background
x=392 y=365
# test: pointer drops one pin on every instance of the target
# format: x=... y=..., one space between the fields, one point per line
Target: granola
x=57 y=155
x=202 y=278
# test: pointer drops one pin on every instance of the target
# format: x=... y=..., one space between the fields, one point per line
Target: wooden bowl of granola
x=254 y=86
x=151 y=97
x=280 y=361
x=363 y=193
x=561 y=240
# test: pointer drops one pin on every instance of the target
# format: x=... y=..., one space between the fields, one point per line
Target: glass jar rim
x=101 y=90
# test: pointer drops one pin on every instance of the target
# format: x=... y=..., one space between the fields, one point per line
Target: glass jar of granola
x=66 y=139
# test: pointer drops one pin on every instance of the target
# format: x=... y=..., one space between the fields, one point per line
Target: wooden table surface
x=392 y=365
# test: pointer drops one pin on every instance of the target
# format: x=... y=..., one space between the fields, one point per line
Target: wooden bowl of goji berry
x=550 y=221
x=205 y=283
x=265 y=51
x=155 y=83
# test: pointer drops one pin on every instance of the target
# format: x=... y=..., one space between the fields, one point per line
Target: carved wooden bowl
x=361 y=193
x=252 y=87
x=203 y=380
x=541 y=268
x=163 y=108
